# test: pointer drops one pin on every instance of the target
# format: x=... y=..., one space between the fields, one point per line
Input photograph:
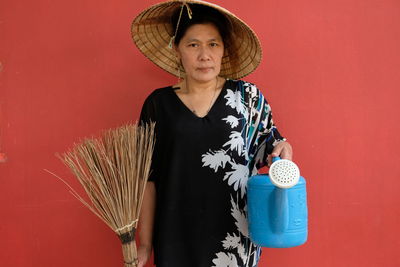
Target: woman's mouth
x=205 y=69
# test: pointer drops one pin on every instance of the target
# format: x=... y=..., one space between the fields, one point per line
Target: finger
x=276 y=152
x=140 y=261
x=283 y=150
x=287 y=152
x=269 y=160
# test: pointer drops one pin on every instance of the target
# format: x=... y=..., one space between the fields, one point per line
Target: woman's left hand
x=282 y=150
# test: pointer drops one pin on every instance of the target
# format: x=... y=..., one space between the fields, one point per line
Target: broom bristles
x=113 y=170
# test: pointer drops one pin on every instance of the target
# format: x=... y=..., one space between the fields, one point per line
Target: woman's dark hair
x=201 y=15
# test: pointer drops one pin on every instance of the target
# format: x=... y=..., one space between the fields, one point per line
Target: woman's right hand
x=144 y=253
x=146 y=222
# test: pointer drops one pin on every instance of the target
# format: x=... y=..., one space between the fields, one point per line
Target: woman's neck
x=191 y=86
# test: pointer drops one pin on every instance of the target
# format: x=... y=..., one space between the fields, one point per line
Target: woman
x=213 y=132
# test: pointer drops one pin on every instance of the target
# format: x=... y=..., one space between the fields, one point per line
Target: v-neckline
x=212 y=106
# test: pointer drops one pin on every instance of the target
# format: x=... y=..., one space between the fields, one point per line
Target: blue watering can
x=277 y=206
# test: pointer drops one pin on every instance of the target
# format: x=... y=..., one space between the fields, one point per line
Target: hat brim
x=152 y=31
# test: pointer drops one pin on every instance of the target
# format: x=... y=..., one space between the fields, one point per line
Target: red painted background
x=330 y=69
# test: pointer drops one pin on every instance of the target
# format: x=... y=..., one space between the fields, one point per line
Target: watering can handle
x=275 y=159
x=281 y=216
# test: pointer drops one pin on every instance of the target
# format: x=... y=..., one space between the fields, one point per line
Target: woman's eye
x=213 y=44
x=193 y=45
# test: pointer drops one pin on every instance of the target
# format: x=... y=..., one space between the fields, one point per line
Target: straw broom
x=113 y=170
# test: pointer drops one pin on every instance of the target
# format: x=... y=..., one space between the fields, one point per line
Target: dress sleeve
x=148 y=112
x=268 y=135
x=147 y=115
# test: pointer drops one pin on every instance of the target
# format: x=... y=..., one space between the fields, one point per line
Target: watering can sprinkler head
x=284 y=173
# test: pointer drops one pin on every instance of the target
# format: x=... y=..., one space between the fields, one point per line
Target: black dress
x=200 y=169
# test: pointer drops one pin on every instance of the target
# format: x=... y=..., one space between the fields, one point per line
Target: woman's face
x=201 y=50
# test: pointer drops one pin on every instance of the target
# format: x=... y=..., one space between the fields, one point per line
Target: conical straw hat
x=152 y=32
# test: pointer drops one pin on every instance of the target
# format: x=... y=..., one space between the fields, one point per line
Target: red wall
x=330 y=71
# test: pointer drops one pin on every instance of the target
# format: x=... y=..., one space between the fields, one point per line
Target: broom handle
x=130 y=254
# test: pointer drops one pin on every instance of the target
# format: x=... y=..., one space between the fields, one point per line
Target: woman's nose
x=204 y=54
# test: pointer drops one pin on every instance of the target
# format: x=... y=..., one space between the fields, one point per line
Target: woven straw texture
x=152 y=31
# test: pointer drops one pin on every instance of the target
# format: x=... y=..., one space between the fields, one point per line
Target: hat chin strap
x=189 y=11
